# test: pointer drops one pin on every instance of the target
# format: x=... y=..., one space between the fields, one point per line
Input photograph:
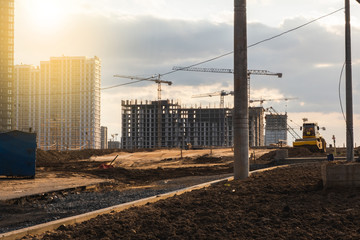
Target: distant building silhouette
x=276 y=129
x=113 y=144
x=104 y=137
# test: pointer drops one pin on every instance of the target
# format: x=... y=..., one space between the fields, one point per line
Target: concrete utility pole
x=241 y=110
x=349 y=104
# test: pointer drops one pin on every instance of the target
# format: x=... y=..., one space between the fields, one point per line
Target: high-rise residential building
x=6 y=64
x=104 y=137
x=60 y=101
x=26 y=98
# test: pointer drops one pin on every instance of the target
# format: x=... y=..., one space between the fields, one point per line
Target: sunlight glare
x=47 y=14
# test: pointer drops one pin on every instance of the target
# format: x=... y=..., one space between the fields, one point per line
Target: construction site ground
x=57 y=171
x=131 y=170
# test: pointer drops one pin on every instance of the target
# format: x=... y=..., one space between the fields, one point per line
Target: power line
x=208 y=60
x=296 y=28
x=257 y=43
x=228 y=53
x=119 y=85
x=339 y=89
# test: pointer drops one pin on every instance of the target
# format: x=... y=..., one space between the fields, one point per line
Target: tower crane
x=224 y=70
x=227 y=70
x=155 y=79
x=114 y=136
x=261 y=101
x=221 y=93
x=224 y=93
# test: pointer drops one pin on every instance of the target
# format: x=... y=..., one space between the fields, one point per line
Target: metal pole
x=349 y=104
x=241 y=114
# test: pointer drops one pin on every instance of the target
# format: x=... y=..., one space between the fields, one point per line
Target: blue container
x=17 y=154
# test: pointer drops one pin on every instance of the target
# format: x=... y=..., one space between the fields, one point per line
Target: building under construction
x=276 y=129
x=165 y=123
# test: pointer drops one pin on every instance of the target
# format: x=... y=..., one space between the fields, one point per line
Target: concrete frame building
x=200 y=127
x=151 y=124
x=104 y=137
x=113 y=144
x=208 y=126
x=61 y=102
x=6 y=64
x=275 y=129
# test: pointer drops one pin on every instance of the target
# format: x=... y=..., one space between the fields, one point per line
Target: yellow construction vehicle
x=311 y=138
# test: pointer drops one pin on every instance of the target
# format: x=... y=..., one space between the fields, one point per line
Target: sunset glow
x=46 y=14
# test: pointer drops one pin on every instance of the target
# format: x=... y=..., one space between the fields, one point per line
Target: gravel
x=54 y=206
x=60 y=205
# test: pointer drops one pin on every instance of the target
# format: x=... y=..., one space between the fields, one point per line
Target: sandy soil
x=168 y=158
x=141 y=167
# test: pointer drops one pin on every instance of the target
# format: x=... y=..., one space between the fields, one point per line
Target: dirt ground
x=286 y=203
x=141 y=167
x=136 y=169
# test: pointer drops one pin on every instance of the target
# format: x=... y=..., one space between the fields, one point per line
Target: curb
x=41 y=228
x=49 y=226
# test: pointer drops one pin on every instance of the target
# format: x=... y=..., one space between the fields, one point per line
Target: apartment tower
x=60 y=101
x=26 y=98
x=6 y=64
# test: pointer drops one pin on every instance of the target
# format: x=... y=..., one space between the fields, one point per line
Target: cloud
x=310 y=58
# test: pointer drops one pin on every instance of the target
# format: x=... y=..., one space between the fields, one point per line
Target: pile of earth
x=54 y=157
x=285 y=203
x=209 y=159
x=71 y=163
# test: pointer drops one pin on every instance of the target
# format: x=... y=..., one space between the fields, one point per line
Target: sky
x=146 y=37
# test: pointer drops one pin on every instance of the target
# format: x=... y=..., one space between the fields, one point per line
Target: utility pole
x=349 y=104
x=241 y=112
